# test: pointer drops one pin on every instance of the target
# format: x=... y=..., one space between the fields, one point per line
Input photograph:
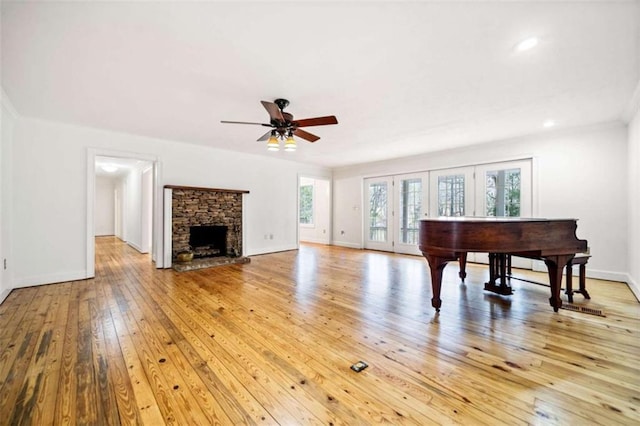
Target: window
x=378 y=211
x=451 y=195
x=503 y=193
x=306 y=204
x=410 y=209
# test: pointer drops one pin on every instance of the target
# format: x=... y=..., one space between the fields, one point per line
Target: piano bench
x=579 y=259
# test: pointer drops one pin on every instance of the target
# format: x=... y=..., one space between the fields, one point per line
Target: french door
x=395 y=205
x=411 y=200
x=378 y=202
x=452 y=192
x=496 y=189
x=504 y=190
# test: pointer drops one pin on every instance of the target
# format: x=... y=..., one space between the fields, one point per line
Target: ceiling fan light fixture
x=282 y=122
x=290 y=143
x=272 y=143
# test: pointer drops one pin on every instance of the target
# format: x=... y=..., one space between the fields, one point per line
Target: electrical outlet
x=5 y=264
x=271 y=236
x=341 y=232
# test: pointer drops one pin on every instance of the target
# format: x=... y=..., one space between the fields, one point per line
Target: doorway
x=395 y=205
x=314 y=210
x=127 y=185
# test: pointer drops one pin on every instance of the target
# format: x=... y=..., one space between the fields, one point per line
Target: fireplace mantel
x=197 y=188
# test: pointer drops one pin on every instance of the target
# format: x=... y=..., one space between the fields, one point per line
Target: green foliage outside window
x=503 y=193
x=306 y=204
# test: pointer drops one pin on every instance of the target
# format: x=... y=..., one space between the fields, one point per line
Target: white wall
x=104 y=211
x=634 y=203
x=50 y=194
x=146 y=209
x=347 y=209
x=7 y=120
x=133 y=209
x=119 y=207
x=136 y=208
x=581 y=174
x=320 y=230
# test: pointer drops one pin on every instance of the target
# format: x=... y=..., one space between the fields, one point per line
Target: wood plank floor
x=271 y=342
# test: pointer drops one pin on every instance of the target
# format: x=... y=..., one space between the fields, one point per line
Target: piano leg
x=436 y=265
x=463 y=266
x=555 y=266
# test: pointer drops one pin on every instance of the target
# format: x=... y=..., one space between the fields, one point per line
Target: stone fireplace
x=208 y=223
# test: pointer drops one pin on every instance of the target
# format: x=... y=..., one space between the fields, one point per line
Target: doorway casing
x=157 y=240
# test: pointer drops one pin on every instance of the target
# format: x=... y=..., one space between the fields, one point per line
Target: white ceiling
x=402 y=77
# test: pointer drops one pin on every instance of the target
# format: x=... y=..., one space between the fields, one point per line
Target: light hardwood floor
x=271 y=342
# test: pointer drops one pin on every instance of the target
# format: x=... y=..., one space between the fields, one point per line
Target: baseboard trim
x=606 y=275
x=633 y=286
x=316 y=241
x=347 y=244
x=268 y=250
x=539 y=266
x=4 y=294
x=136 y=247
x=50 y=279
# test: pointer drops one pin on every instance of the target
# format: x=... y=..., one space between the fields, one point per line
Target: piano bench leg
x=582 y=262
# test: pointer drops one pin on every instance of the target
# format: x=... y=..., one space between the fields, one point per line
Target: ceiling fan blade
x=273 y=110
x=305 y=135
x=265 y=137
x=317 y=121
x=244 y=122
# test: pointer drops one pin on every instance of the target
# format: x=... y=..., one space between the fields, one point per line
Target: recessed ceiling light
x=527 y=44
x=548 y=123
x=109 y=168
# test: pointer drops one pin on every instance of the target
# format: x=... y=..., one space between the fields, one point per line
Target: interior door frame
x=326 y=205
x=157 y=206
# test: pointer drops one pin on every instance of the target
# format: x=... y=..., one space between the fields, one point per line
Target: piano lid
x=492 y=219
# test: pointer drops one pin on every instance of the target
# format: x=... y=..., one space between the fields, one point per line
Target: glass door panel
x=411 y=201
x=451 y=192
x=504 y=190
x=378 y=213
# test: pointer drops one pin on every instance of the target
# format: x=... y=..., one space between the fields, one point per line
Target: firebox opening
x=208 y=240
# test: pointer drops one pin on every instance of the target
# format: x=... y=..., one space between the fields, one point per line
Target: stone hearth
x=209 y=262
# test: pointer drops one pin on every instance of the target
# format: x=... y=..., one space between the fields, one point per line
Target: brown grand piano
x=451 y=238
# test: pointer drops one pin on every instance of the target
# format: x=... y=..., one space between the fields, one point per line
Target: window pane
x=306 y=204
x=451 y=195
x=378 y=212
x=410 y=208
x=503 y=193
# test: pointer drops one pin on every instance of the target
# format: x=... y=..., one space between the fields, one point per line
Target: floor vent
x=583 y=309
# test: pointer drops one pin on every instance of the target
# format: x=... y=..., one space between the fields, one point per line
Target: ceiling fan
x=283 y=125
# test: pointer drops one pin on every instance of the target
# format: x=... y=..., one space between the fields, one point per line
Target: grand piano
x=451 y=238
